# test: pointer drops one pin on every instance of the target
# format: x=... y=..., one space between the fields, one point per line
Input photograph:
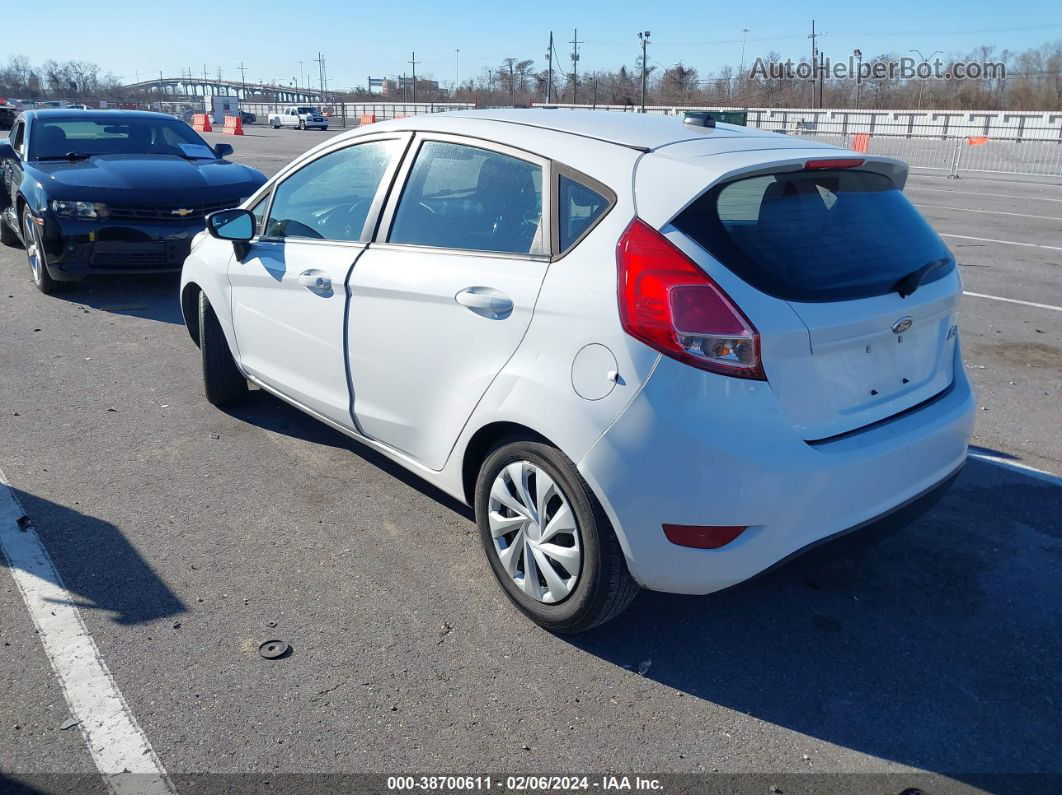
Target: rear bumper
x=698 y=449
x=76 y=249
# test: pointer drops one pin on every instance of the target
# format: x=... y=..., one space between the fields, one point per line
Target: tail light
x=670 y=304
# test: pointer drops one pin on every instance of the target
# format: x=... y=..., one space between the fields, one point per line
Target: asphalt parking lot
x=187 y=535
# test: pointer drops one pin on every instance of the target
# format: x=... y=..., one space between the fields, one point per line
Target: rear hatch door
x=873 y=284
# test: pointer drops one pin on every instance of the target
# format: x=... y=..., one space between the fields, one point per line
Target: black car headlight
x=74 y=209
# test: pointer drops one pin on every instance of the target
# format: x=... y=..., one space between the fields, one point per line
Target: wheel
x=36 y=255
x=274 y=125
x=548 y=541
x=302 y=124
x=7 y=234
x=223 y=383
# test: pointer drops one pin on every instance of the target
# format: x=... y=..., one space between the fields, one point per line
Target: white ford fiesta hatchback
x=649 y=353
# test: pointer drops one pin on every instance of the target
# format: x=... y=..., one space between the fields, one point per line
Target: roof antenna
x=698 y=119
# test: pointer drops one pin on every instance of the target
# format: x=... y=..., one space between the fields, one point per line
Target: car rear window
x=816 y=235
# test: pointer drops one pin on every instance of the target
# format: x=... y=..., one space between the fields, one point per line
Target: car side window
x=17 y=137
x=578 y=208
x=258 y=211
x=466 y=197
x=330 y=198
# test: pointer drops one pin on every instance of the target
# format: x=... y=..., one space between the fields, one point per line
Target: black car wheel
x=223 y=383
x=36 y=255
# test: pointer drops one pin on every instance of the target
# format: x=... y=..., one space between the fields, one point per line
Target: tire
x=302 y=124
x=223 y=383
x=7 y=235
x=274 y=125
x=601 y=589
x=37 y=257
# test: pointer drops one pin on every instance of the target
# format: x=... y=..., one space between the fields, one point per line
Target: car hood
x=159 y=178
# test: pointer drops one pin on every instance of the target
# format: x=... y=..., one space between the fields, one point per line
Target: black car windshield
x=56 y=138
x=307 y=110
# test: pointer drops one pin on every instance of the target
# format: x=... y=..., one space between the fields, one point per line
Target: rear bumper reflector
x=701 y=536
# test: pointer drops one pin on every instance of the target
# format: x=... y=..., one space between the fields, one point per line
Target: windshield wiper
x=67 y=156
x=906 y=285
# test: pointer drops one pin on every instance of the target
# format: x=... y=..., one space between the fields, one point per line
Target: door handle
x=315 y=281
x=486 y=301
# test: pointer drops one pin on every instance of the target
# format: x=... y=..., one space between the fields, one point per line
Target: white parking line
x=989 y=212
x=1024 y=469
x=1012 y=300
x=118 y=745
x=1005 y=242
x=978 y=193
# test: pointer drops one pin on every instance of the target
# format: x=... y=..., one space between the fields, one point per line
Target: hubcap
x=536 y=537
x=33 y=245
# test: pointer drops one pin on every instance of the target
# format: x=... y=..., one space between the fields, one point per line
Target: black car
x=110 y=191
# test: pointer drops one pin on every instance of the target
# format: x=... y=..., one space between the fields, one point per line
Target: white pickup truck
x=303 y=116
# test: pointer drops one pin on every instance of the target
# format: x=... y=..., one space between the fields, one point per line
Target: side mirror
x=7 y=151
x=223 y=150
x=236 y=225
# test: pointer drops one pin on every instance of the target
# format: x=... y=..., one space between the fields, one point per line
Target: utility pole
x=644 y=36
x=575 y=66
x=549 y=73
x=457 y=84
x=243 y=78
x=204 y=73
x=512 y=82
x=322 y=73
x=160 y=90
x=414 y=62
x=814 y=60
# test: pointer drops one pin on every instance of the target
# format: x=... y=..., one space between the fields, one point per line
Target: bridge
x=186 y=87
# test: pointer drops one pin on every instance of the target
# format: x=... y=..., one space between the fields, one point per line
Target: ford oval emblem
x=901 y=325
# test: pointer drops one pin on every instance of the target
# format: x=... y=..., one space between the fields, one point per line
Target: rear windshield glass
x=817 y=235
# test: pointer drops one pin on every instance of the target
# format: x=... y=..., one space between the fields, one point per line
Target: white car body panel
x=657 y=440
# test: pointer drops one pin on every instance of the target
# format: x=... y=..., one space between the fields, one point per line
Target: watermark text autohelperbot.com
x=855 y=69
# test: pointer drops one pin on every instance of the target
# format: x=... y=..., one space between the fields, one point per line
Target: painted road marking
x=989 y=212
x=1005 y=242
x=1023 y=469
x=1012 y=301
x=977 y=193
x=118 y=745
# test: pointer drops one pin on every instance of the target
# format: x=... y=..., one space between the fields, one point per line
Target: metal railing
x=1025 y=156
x=347 y=114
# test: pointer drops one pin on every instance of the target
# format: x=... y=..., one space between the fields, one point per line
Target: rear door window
x=817 y=235
x=465 y=197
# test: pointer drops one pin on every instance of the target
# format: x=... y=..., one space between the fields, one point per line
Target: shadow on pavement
x=98 y=565
x=153 y=297
x=266 y=411
x=938 y=648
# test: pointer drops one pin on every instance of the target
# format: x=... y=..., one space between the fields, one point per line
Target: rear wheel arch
x=486 y=440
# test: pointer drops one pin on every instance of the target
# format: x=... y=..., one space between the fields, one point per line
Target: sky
x=136 y=39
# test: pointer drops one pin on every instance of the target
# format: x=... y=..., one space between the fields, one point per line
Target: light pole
x=859 y=73
x=644 y=38
x=922 y=82
x=457 y=85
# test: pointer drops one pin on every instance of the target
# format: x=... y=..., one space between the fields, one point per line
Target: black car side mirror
x=7 y=151
x=236 y=225
x=223 y=150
